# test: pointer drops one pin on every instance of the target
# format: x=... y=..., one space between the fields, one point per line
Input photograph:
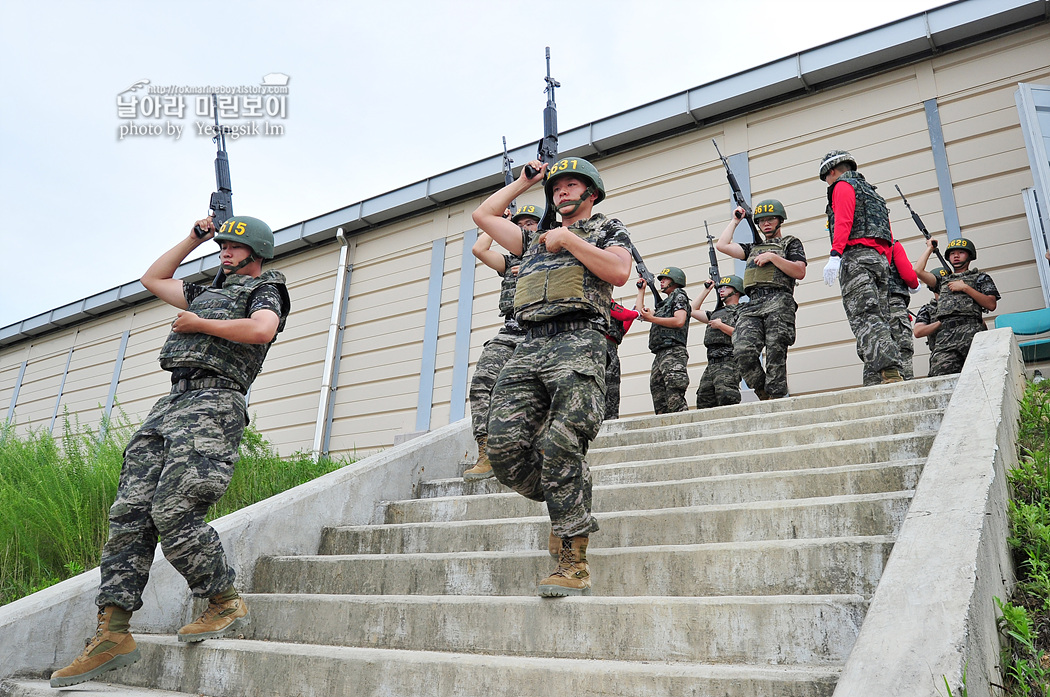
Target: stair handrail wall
x=932 y=618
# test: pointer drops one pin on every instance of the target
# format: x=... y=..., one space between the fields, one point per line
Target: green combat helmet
x=734 y=282
x=529 y=211
x=770 y=208
x=250 y=232
x=579 y=168
x=939 y=273
x=674 y=274
x=964 y=244
x=833 y=159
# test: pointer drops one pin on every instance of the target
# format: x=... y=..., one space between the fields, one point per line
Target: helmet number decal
x=561 y=166
x=765 y=208
x=957 y=243
x=236 y=228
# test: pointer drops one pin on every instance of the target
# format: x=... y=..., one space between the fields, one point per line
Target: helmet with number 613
x=579 y=168
x=250 y=232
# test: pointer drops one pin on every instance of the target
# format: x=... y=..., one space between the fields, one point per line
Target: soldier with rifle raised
x=767 y=321
x=668 y=341
x=720 y=383
x=182 y=457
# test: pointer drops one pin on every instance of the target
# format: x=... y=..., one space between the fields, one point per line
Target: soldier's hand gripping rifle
x=508 y=175
x=645 y=273
x=713 y=270
x=922 y=228
x=547 y=152
x=738 y=195
x=221 y=204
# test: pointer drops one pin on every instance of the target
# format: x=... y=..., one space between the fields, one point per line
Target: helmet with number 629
x=964 y=244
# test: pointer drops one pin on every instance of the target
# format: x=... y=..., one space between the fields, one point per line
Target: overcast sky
x=380 y=94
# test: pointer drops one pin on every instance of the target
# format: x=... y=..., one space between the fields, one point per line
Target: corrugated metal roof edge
x=906 y=40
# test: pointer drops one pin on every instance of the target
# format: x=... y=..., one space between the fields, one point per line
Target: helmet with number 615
x=250 y=232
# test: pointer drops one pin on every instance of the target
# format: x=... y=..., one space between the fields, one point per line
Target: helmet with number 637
x=579 y=168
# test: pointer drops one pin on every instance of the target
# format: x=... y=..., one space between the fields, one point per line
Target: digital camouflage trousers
x=176 y=466
x=546 y=409
x=669 y=379
x=495 y=354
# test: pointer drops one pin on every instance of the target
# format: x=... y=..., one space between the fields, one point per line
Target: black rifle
x=738 y=195
x=508 y=175
x=713 y=270
x=221 y=204
x=547 y=151
x=645 y=273
x=922 y=228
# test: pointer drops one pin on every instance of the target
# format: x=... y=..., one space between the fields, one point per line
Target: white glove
x=831 y=271
x=915 y=290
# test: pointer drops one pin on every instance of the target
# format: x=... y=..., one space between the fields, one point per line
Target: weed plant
x=1025 y=621
x=55 y=496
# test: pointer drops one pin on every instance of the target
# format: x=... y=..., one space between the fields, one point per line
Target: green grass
x=1025 y=620
x=55 y=496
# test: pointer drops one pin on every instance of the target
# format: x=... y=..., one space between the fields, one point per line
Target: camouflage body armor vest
x=508 y=285
x=768 y=276
x=871 y=217
x=556 y=285
x=665 y=337
x=958 y=305
x=897 y=286
x=718 y=343
x=230 y=359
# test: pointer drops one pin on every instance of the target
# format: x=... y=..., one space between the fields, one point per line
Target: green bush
x=55 y=496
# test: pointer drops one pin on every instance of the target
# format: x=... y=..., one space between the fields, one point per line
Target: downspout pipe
x=322 y=425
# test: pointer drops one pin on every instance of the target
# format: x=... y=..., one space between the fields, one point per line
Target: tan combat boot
x=571 y=577
x=890 y=375
x=226 y=614
x=482 y=469
x=112 y=647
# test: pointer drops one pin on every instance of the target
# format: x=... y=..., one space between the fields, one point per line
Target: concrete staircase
x=738 y=551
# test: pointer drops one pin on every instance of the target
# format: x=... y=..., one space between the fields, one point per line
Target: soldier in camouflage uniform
x=720 y=383
x=498 y=349
x=620 y=319
x=181 y=459
x=902 y=284
x=964 y=296
x=767 y=321
x=924 y=318
x=550 y=397
x=668 y=337
x=859 y=227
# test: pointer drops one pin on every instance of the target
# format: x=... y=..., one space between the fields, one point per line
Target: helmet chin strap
x=234 y=269
x=576 y=203
x=774 y=231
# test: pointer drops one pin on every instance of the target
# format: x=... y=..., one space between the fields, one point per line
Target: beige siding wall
x=663 y=192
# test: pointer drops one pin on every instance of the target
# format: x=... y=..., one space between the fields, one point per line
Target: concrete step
x=889 y=448
x=723 y=489
x=807 y=629
x=830 y=516
x=776 y=406
x=235 y=668
x=747 y=424
x=911 y=422
x=851 y=565
x=41 y=688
